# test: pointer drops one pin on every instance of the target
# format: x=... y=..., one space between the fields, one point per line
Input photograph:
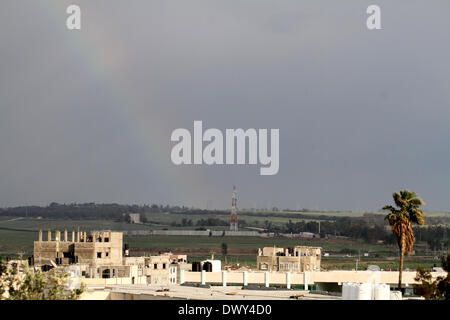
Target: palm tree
x=400 y=219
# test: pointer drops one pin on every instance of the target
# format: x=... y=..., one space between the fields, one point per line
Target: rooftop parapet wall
x=298 y=278
x=82 y=236
x=294 y=251
x=97 y=248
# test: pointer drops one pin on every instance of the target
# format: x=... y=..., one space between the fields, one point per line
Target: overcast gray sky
x=87 y=115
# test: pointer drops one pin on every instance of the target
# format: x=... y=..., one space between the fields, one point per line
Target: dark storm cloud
x=361 y=113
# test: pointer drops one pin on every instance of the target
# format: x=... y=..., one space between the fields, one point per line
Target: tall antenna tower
x=234 y=218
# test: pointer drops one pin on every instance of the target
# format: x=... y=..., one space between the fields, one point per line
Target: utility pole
x=357 y=260
x=234 y=217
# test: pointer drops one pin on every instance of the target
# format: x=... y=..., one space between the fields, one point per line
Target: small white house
x=215 y=264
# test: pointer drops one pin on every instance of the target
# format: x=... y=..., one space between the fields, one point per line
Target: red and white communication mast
x=234 y=218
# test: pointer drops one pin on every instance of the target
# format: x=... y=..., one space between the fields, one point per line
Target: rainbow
x=103 y=72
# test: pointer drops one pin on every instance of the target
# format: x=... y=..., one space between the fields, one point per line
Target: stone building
x=100 y=255
x=96 y=249
x=157 y=269
x=296 y=259
x=175 y=258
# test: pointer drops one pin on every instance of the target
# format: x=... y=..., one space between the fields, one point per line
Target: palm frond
x=416 y=216
x=390 y=208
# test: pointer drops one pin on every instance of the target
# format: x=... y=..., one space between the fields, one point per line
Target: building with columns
x=296 y=259
x=99 y=248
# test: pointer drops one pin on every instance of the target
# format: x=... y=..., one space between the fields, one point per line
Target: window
x=164 y=265
x=155 y=266
x=106 y=240
x=99 y=254
x=107 y=254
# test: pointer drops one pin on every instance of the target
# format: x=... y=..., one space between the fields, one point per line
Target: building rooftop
x=150 y=292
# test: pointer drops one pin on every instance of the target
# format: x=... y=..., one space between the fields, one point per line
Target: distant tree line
x=85 y=211
x=115 y=211
x=370 y=227
x=370 y=230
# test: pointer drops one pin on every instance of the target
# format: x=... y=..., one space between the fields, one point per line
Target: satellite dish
x=373 y=268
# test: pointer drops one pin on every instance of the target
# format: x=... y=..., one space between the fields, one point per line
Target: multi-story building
x=97 y=249
x=296 y=259
x=100 y=255
x=157 y=269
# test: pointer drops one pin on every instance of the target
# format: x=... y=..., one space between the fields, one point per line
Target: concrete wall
x=95 y=295
x=112 y=281
x=138 y=296
x=190 y=233
x=214 y=233
x=280 y=278
x=237 y=277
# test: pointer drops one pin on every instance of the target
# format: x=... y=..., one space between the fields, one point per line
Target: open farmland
x=18 y=233
x=18 y=236
x=204 y=242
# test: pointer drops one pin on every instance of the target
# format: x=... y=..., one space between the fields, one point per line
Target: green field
x=336 y=213
x=17 y=236
x=166 y=218
x=255 y=219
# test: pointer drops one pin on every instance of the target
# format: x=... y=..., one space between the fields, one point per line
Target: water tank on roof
x=346 y=291
x=373 y=267
x=216 y=265
x=395 y=295
x=196 y=267
x=381 y=292
x=207 y=266
x=364 y=291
